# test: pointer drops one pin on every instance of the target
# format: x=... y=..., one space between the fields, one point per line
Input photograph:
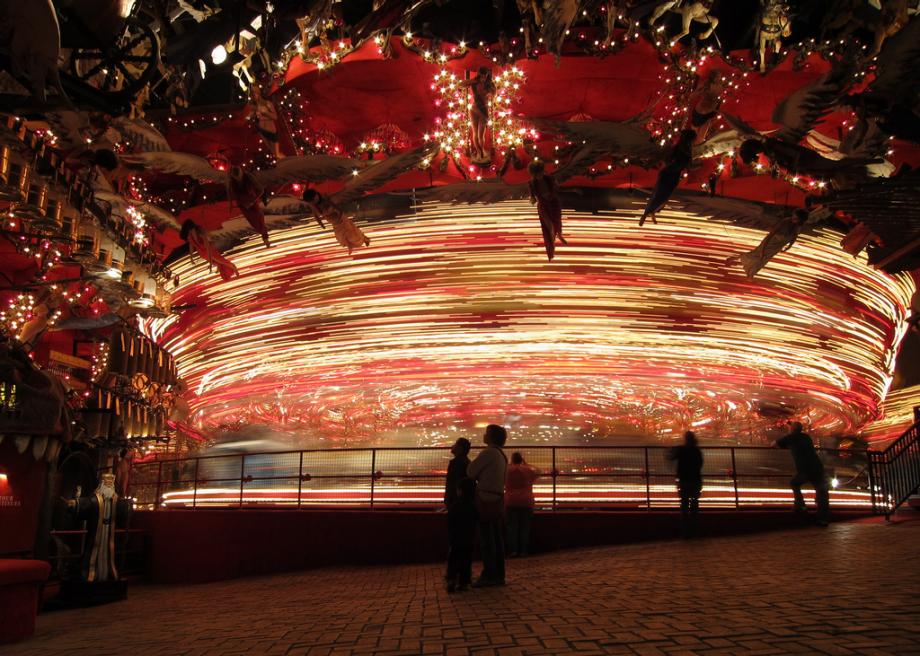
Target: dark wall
x=194 y=546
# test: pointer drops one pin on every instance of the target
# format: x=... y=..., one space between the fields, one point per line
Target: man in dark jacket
x=808 y=469
x=689 y=460
x=456 y=469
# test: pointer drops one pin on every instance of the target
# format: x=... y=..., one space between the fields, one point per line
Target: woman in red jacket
x=519 y=503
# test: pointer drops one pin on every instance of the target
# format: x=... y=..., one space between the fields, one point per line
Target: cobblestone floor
x=848 y=589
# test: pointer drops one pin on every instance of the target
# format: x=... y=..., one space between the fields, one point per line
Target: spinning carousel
x=393 y=222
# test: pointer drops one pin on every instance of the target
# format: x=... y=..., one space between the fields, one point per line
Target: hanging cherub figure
x=483 y=88
x=262 y=112
x=246 y=192
x=545 y=193
x=346 y=232
x=678 y=160
x=774 y=24
x=706 y=102
x=779 y=240
x=198 y=242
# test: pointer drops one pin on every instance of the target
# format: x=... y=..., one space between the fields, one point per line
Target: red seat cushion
x=13 y=571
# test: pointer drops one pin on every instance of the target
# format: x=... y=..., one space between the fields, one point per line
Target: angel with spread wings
x=797 y=115
x=678 y=161
x=543 y=188
x=346 y=232
x=286 y=211
x=246 y=192
x=545 y=193
x=198 y=242
x=245 y=188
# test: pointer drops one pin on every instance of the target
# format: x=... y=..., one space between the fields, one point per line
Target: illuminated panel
x=897 y=416
x=453 y=318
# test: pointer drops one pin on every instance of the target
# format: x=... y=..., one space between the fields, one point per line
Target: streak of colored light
x=453 y=317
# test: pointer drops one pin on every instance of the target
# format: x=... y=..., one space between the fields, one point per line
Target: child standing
x=461 y=525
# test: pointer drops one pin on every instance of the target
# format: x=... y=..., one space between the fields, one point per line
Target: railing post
x=648 y=482
x=555 y=473
x=300 y=481
x=242 y=476
x=735 y=478
x=156 y=498
x=373 y=474
x=195 y=488
x=870 y=469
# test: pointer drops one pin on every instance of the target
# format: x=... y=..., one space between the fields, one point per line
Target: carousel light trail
x=452 y=318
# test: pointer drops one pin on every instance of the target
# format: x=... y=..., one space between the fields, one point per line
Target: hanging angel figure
x=244 y=188
x=779 y=240
x=198 y=242
x=264 y=115
x=286 y=211
x=545 y=193
x=706 y=102
x=482 y=88
x=246 y=192
x=678 y=160
x=346 y=232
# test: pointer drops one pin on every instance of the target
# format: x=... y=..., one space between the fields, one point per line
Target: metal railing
x=638 y=477
x=895 y=472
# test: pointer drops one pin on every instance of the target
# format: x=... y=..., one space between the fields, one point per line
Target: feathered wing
x=558 y=16
x=748 y=214
x=718 y=144
x=623 y=139
x=286 y=205
x=152 y=213
x=492 y=191
x=143 y=136
x=382 y=172
x=388 y=15
x=804 y=107
x=238 y=229
x=176 y=163
x=743 y=129
x=307 y=168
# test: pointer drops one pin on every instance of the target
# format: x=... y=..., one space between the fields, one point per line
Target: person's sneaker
x=463 y=587
x=484 y=583
x=451 y=586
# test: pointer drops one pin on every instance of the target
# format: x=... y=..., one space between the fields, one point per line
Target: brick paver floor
x=848 y=589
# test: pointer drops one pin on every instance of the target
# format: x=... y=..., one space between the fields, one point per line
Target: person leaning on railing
x=808 y=468
x=519 y=503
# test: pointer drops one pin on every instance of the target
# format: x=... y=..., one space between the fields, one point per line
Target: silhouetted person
x=488 y=470
x=519 y=503
x=689 y=460
x=461 y=526
x=808 y=469
x=456 y=470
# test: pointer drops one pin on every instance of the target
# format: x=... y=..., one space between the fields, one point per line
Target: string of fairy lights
x=453 y=316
